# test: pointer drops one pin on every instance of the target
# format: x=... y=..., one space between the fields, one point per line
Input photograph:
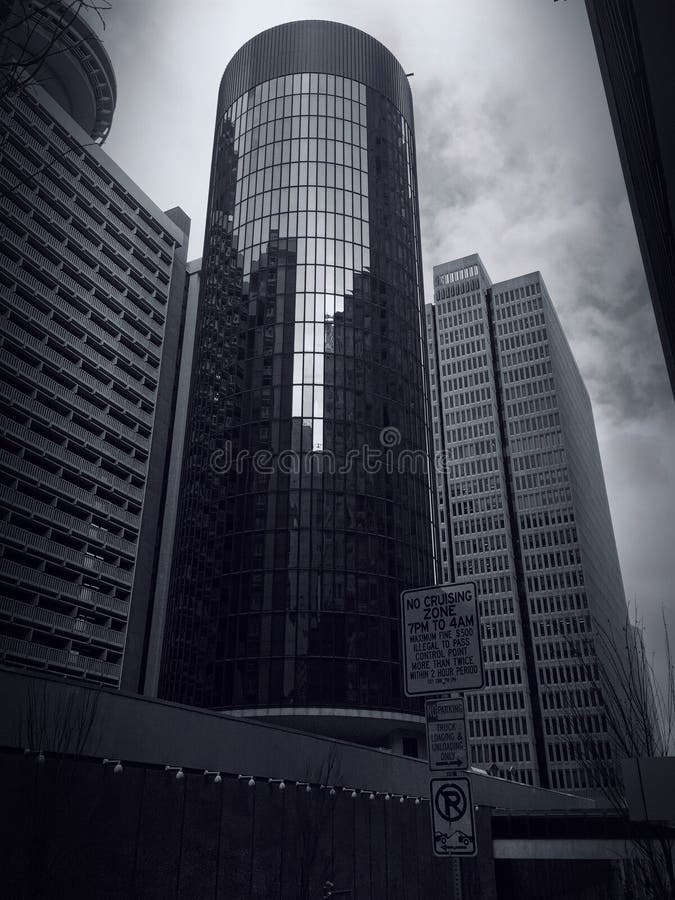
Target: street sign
x=441 y=639
x=447 y=746
x=453 y=824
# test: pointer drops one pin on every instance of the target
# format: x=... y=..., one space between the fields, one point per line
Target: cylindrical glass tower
x=305 y=501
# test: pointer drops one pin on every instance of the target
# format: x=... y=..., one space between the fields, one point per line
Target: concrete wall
x=73 y=828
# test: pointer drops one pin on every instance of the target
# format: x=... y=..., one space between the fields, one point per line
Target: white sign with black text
x=441 y=639
x=447 y=746
x=453 y=824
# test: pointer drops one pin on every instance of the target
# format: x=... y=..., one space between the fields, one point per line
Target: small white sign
x=441 y=639
x=447 y=746
x=453 y=825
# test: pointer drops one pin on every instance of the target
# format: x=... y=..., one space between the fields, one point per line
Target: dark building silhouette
x=91 y=282
x=284 y=594
x=634 y=41
x=523 y=511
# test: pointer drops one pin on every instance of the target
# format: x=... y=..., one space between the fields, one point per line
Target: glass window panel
x=298 y=367
x=330 y=279
x=314 y=83
x=321 y=224
x=305 y=83
x=349 y=232
x=330 y=84
x=349 y=252
x=320 y=252
x=318 y=401
x=339 y=130
x=330 y=245
x=302 y=223
x=357 y=234
x=366 y=234
x=296 y=83
x=298 y=339
x=311 y=248
x=292 y=224
x=339 y=281
x=307 y=400
x=348 y=178
x=297 y=401
x=308 y=368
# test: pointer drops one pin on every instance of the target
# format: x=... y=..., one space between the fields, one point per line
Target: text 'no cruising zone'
x=441 y=639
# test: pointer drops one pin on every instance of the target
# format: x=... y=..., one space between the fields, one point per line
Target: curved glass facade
x=293 y=544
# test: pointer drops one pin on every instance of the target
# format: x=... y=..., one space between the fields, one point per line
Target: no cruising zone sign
x=441 y=639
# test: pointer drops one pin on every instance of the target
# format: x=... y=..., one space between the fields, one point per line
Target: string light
x=180 y=775
x=39 y=755
x=117 y=770
x=218 y=777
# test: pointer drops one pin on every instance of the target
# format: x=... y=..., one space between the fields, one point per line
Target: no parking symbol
x=452 y=819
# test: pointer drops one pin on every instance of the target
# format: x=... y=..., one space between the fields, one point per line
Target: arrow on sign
x=457 y=763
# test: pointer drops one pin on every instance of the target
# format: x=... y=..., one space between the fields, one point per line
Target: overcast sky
x=516 y=161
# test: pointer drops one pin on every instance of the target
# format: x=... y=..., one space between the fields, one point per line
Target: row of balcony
x=28 y=540
x=51 y=516
x=85 y=190
x=27 y=614
x=142 y=343
x=60 y=659
x=20 y=468
x=43 y=583
x=73 y=371
x=69 y=430
x=59 y=392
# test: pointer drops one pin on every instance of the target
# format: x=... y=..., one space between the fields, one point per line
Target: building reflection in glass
x=286 y=582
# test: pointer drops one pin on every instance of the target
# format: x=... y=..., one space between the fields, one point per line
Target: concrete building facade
x=523 y=511
x=91 y=283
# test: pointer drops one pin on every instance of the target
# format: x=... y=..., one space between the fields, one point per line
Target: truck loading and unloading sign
x=441 y=639
x=446 y=735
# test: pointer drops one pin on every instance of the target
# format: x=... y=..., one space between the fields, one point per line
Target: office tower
x=522 y=511
x=284 y=595
x=634 y=42
x=91 y=279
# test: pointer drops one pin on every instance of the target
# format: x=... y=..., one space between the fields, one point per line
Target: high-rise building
x=287 y=571
x=91 y=299
x=634 y=42
x=523 y=511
